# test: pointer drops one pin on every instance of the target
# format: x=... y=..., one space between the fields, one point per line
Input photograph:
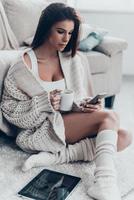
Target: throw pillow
x=92 y=40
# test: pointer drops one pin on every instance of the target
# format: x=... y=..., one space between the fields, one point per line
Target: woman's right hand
x=87 y=107
x=55 y=99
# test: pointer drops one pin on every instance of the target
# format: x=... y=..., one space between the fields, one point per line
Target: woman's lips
x=63 y=45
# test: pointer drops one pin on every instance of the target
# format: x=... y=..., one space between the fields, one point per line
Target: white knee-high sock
x=83 y=150
x=106 y=146
x=105 y=185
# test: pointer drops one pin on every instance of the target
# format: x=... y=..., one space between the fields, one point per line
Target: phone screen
x=96 y=98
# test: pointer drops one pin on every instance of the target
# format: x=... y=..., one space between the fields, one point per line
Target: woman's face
x=60 y=34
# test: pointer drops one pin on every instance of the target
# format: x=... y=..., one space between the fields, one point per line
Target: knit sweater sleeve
x=78 y=82
x=20 y=109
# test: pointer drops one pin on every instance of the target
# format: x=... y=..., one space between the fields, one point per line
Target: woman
x=31 y=101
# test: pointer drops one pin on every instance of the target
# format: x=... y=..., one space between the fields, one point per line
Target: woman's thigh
x=81 y=125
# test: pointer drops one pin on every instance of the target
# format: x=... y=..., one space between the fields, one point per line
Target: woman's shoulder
x=15 y=68
x=18 y=64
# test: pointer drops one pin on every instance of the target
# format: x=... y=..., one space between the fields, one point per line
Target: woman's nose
x=66 y=38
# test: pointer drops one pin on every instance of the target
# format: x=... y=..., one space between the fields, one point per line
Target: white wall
x=119 y=24
x=111 y=5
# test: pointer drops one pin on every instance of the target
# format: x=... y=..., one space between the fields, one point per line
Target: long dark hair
x=52 y=14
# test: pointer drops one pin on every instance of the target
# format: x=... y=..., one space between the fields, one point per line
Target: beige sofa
x=18 y=21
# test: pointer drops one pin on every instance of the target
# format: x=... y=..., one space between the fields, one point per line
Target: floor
x=124 y=105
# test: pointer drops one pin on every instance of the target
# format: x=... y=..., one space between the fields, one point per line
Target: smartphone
x=97 y=97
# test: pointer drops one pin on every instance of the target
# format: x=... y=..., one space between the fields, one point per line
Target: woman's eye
x=60 y=32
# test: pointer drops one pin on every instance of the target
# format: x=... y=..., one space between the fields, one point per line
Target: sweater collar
x=65 y=62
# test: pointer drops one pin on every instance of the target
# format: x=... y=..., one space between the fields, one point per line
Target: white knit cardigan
x=26 y=104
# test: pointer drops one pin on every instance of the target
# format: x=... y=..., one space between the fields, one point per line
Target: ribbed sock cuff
x=106 y=136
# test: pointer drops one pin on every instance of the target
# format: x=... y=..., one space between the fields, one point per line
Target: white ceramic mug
x=67 y=98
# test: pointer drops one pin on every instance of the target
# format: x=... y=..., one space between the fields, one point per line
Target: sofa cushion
x=7 y=57
x=111 y=45
x=7 y=37
x=2 y=1
x=99 y=63
x=25 y=15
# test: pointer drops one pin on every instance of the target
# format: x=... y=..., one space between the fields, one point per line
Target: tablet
x=50 y=185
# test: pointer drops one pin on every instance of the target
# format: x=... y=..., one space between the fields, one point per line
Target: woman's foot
x=125 y=138
x=39 y=160
x=104 y=189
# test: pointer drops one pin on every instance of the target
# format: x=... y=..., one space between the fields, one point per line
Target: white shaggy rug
x=12 y=179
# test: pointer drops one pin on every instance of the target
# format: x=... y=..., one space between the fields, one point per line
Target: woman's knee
x=110 y=119
x=125 y=138
x=111 y=115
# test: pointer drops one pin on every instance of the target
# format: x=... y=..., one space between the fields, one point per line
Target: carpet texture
x=12 y=179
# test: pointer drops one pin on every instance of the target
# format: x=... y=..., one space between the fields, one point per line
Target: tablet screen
x=50 y=185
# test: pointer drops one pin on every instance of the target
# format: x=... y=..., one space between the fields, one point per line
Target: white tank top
x=47 y=85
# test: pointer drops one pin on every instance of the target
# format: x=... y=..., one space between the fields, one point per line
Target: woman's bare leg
x=82 y=125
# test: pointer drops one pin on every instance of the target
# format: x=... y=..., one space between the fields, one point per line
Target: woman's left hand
x=55 y=99
x=87 y=107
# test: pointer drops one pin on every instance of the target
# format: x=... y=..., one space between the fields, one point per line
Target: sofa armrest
x=111 y=45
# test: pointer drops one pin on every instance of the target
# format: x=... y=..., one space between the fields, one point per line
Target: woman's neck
x=45 y=51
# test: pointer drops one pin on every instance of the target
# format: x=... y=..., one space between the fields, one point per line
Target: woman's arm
x=20 y=109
